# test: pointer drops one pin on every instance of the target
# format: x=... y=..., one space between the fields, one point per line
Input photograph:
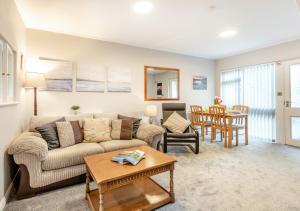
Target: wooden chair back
x=243 y=109
x=197 y=117
x=218 y=116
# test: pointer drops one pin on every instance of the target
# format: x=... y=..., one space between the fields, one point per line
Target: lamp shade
x=151 y=110
x=34 y=80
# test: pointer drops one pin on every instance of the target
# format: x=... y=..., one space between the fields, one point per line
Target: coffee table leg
x=87 y=182
x=101 y=206
x=172 y=185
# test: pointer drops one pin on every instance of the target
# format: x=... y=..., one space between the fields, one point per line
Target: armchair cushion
x=176 y=123
x=30 y=143
x=147 y=132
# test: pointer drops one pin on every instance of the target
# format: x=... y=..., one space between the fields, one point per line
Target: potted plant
x=218 y=100
x=75 y=108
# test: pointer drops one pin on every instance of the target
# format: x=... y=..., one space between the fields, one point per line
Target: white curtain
x=253 y=86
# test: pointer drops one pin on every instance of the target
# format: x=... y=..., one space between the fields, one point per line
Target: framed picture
x=159 y=89
x=118 y=80
x=90 y=78
x=58 y=74
x=199 y=83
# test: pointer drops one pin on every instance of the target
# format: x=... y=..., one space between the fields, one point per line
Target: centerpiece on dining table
x=218 y=100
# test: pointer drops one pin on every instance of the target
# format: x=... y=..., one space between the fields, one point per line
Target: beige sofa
x=42 y=169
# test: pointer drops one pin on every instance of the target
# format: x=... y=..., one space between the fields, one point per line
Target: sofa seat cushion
x=70 y=156
x=121 y=144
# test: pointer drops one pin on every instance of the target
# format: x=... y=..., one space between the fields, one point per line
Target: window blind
x=253 y=86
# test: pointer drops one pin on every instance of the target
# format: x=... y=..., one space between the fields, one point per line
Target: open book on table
x=133 y=157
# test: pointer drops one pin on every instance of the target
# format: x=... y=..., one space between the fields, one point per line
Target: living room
x=230 y=69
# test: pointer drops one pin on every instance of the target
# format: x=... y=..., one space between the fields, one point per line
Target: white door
x=292 y=103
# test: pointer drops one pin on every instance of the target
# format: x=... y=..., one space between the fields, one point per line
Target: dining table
x=230 y=116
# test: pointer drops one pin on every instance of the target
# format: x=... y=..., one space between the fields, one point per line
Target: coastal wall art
x=90 y=78
x=58 y=75
x=199 y=82
x=118 y=79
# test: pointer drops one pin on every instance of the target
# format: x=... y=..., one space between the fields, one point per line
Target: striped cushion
x=69 y=133
x=121 y=129
x=176 y=123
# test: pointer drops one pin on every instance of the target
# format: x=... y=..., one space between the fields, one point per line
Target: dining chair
x=218 y=122
x=239 y=123
x=199 y=120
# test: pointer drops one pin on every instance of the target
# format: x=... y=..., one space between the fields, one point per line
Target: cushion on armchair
x=176 y=123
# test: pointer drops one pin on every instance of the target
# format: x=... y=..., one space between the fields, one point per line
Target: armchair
x=188 y=137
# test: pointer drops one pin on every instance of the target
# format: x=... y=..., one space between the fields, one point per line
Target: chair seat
x=238 y=126
x=206 y=123
x=181 y=135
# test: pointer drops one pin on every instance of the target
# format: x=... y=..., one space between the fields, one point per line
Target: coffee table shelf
x=142 y=195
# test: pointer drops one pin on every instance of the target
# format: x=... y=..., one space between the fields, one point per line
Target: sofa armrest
x=147 y=132
x=30 y=143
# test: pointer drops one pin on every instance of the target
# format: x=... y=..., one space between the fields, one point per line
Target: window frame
x=5 y=72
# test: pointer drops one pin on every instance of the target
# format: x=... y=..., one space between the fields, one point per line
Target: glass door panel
x=292 y=103
x=295 y=85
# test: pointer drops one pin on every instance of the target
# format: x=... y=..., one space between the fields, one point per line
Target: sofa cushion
x=70 y=156
x=121 y=129
x=96 y=130
x=135 y=123
x=121 y=144
x=69 y=133
x=49 y=133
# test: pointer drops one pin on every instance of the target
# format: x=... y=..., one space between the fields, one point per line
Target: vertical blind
x=253 y=86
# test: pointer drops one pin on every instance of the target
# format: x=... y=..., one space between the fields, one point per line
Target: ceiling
x=188 y=27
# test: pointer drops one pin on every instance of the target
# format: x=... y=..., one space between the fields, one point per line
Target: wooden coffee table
x=127 y=187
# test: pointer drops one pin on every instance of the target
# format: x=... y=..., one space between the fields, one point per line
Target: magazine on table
x=133 y=157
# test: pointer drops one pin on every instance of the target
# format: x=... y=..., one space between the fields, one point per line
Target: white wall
x=282 y=52
x=11 y=117
x=88 y=51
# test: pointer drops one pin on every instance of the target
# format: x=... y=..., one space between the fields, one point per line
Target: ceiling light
x=228 y=33
x=143 y=7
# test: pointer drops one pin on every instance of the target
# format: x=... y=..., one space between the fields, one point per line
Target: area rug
x=260 y=176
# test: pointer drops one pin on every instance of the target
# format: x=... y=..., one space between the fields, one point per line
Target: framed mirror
x=161 y=83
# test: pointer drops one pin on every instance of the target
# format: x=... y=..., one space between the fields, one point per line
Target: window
x=7 y=73
x=1 y=69
x=253 y=86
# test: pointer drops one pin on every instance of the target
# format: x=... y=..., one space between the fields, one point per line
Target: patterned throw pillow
x=49 y=133
x=121 y=129
x=135 y=122
x=69 y=133
x=176 y=123
x=96 y=130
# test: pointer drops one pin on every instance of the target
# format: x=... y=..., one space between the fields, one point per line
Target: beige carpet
x=260 y=176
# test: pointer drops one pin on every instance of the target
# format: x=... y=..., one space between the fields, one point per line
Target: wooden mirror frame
x=145 y=83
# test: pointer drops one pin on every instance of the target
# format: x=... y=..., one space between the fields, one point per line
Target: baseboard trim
x=7 y=193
